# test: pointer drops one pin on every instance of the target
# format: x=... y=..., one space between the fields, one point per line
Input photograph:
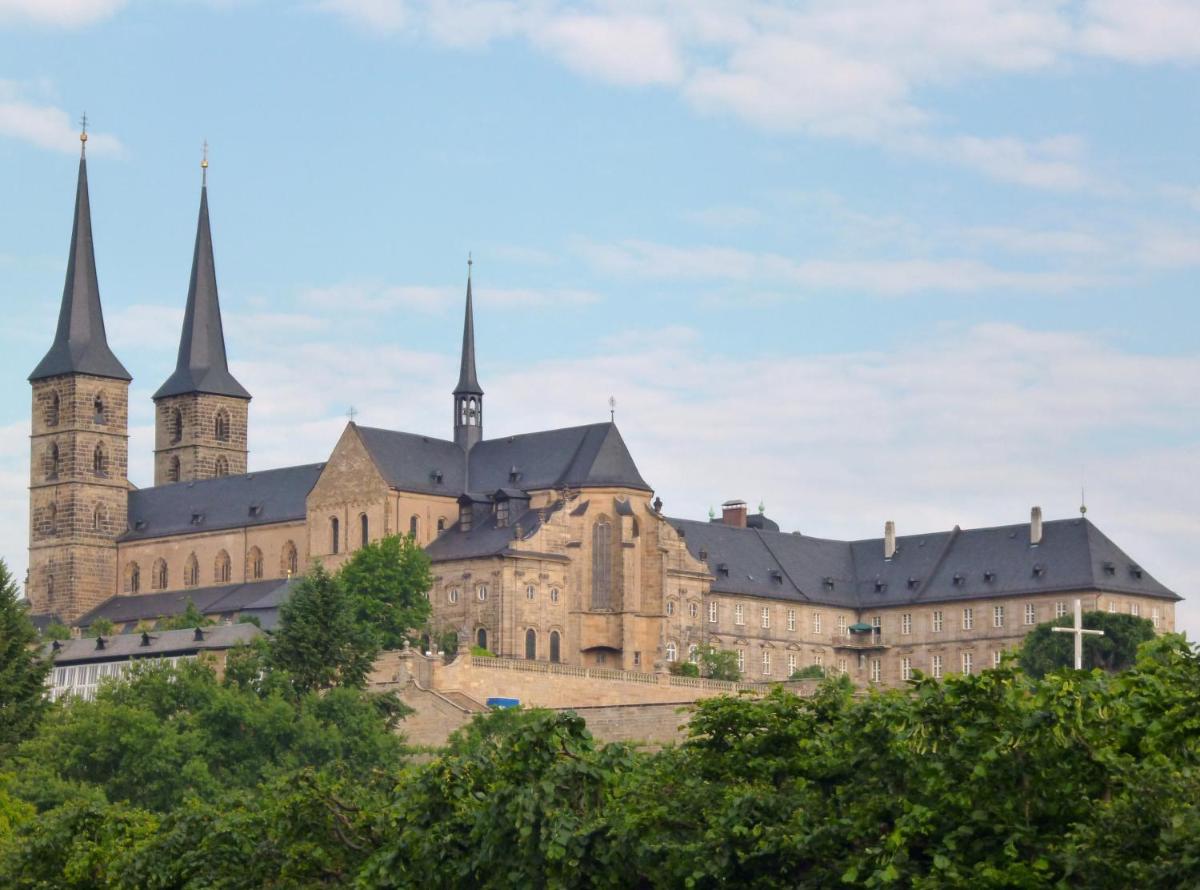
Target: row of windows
x=83 y=680
x=53 y=413
x=53 y=462
x=221 y=425
x=531 y=645
x=765 y=617
x=364 y=530
x=220 y=468
x=222 y=569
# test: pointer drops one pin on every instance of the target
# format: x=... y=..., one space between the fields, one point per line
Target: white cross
x=1079 y=630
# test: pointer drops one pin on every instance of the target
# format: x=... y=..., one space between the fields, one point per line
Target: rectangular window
x=841 y=625
x=819 y=660
x=996 y=656
x=968 y=621
x=712 y=612
x=997 y=616
x=637 y=657
x=1030 y=613
x=906 y=623
x=766 y=616
x=906 y=668
x=816 y=622
x=791 y=663
x=936 y=622
x=739 y=614
x=842 y=667
x=1155 y=617
x=937 y=667
x=876 y=670
x=1060 y=609
x=741 y=659
x=766 y=662
x=1112 y=605
x=966 y=662
x=1135 y=610
x=791 y=619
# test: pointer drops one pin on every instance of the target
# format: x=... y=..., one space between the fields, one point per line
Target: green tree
x=101 y=627
x=718 y=664
x=319 y=642
x=56 y=630
x=187 y=619
x=1045 y=650
x=812 y=672
x=387 y=581
x=23 y=668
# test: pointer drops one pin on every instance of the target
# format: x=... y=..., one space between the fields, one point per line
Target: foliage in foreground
x=22 y=669
x=1045 y=649
x=997 y=780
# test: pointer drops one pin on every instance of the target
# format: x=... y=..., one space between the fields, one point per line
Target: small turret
x=468 y=395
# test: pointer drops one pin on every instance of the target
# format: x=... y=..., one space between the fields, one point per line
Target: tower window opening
x=221 y=467
x=159 y=579
x=221 y=426
x=53 y=462
x=99 y=415
x=364 y=527
x=52 y=410
x=333 y=534
x=173 y=469
x=99 y=462
x=176 y=426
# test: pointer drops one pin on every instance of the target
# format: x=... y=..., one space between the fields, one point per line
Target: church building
x=547 y=545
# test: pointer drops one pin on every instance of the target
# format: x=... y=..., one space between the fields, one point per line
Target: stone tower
x=468 y=395
x=78 y=487
x=201 y=412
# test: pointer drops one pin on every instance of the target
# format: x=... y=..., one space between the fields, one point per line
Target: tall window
x=936 y=622
x=256 y=564
x=52 y=410
x=554 y=594
x=481 y=638
x=1135 y=610
x=464 y=517
x=693 y=610
x=452 y=595
x=441 y=523
x=841 y=625
x=876 y=670
x=555 y=647
x=1030 y=613
x=602 y=565
x=842 y=668
x=222 y=568
x=531 y=644
x=53 y=462
x=176 y=426
x=99 y=461
x=816 y=622
x=739 y=614
x=766 y=662
x=712 y=611
x=996 y=657
x=670 y=607
x=906 y=668
x=791 y=619
x=766 y=616
x=99 y=415
x=290 y=563
x=52 y=520
x=502 y=514
x=791 y=663
x=364 y=530
x=133 y=578
x=997 y=616
x=741 y=653
x=221 y=466
x=334 y=534
x=221 y=426
x=1060 y=609
x=173 y=469
x=414 y=526
x=99 y=518
x=191 y=571
x=937 y=667
x=530 y=591
x=968 y=619
x=481 y=591
x=672 y=651
x=967 y=662
x=159 y=580
x=1155 y=617
x=906 y=623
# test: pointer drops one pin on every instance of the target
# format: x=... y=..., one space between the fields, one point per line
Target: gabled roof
x=156 y=645
x=941 y=566
x=250 y=499
x=412 y=463
x=80 y=344
x=202 y=365
x=486 y=538
x=581 y=456
x=260 y=598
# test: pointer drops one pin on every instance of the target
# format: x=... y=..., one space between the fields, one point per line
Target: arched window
x=99 y=518
x=441 y=526
x=159 y=579
x=191 y=571
x=221 y=426
x=99 y=415
x=481 y=638
x=452 y=596
x=672 y=651
x=99 y=461
x=173 y=469
x=176 y=426
x=133 y=578
x=52 y=409
x=554 y=594
x=555 y=653
x=481 y=591
x=290 y=563
x=414 y=526
x=255 y=564
x=364 y=527
x=602 y=565
x=531 y=644
x=53 y=462
x=222 y=568
x=221 y=466
x=530 y=591
x=52 y=520
x=333 y=534
x=50 y=585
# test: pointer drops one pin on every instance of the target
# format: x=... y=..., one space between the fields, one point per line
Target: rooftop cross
x=83 y=134
x=612 y=408
x=204 y=164
x=1079 y=630
x=352 y=413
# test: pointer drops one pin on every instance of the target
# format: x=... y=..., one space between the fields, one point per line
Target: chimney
x=1035 y=526
x=733 y=514
x=889 y=539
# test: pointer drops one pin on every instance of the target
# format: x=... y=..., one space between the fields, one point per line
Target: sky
x=930 y=262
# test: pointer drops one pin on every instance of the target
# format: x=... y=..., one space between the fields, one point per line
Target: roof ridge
x=937 y=565
x=782 y=568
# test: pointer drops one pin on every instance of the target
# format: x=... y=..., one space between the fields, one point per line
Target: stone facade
x=199 y=436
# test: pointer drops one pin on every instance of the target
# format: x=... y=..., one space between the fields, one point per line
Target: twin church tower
x=79 y=444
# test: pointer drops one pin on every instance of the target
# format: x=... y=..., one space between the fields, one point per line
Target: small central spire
x=83 y=135
x=468 y=395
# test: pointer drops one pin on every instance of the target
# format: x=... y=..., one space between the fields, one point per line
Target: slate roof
x=1073 y=555
x=261 y=598
x=161 y=643
x=225 y=502
x=485 y=538
x=80 y=344
x=468 y=382
x=202 y=365
x=581 y=456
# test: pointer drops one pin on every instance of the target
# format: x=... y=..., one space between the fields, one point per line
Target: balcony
x=860 y=642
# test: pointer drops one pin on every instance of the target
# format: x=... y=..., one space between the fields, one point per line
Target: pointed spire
x=80 y=345
x=202 y=365
x=468 y=383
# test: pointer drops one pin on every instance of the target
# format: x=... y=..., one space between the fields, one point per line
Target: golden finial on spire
x=470 y=263
x=204 y=164
x=83 y=134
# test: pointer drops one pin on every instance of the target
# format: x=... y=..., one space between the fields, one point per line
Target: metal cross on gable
x=1079 y=630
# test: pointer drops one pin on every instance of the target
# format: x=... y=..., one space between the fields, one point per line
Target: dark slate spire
x=202 y=366
x=80 y=346
x=468 y=384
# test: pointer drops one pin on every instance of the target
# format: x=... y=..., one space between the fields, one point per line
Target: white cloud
x=383 y=16
x=378 y=297
x=61 y=13
x=46 y=126
x=1145 y=31
x=1038 y=241
x=621 y=49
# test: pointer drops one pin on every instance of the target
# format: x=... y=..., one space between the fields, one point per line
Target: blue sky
x=932 y=262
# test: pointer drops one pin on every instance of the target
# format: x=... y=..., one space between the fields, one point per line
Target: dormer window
x=880 y=586
x=464 y=517
x=436 y=477
x=777 y=576
x=913 y=582
x=723 y=569
x=989 y=576
x=197 y=518
x=502 y=513
x=514 y=475
x=1136 y=571
x=959 y=579
x=1038 y=570
x=827 y=582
